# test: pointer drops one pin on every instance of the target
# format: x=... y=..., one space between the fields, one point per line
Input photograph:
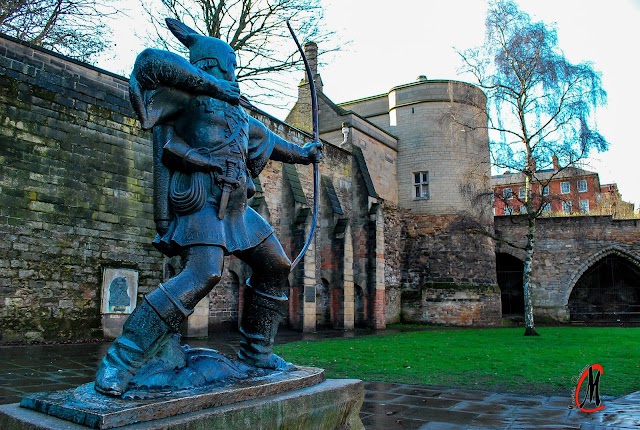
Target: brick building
x=561 y=191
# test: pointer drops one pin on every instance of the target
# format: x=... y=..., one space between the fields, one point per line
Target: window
x=522 y=193
x=582 y=185
x=523 y=209
x=421 y=185
x=508 y=210
x=565 y=187
x=584 y=206
x=546 y=207
x=545 y=190
x=567 y=207
x=507 y=193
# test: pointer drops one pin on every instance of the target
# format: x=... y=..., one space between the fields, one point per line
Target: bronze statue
x=206 y=150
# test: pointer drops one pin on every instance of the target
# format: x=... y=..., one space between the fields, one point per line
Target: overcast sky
x=391 y=43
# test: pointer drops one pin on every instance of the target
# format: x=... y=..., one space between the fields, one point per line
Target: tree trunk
x=530 y=328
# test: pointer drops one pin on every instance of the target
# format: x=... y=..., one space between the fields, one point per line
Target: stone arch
x=235 y=296
x=593 y=259
x=600 y=288
x=520 y=254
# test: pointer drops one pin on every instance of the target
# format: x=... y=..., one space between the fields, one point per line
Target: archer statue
x=206 y=150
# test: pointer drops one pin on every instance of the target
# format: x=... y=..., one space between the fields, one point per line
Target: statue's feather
x=182 y=32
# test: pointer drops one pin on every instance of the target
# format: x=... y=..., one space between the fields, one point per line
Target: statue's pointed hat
x=202 y=47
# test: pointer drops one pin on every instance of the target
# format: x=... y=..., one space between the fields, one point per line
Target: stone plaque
x=310 y=294
x=119 y=290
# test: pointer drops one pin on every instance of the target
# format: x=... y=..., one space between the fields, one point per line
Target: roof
x=540 y=175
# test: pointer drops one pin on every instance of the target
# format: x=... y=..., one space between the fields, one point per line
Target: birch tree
x=540 y=107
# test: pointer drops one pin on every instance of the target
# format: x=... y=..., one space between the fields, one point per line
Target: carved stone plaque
x=119 y=290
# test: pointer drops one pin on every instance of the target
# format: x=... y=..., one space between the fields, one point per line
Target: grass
x=499 y=359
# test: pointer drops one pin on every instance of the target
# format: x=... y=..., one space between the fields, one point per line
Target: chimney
x=311 y=52
x=556 y=166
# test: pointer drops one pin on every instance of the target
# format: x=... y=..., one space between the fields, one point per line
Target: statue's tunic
x=219 y=131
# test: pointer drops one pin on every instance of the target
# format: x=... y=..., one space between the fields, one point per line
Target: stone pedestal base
x=332 y=404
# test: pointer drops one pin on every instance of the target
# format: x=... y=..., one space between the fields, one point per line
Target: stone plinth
x=332 y=404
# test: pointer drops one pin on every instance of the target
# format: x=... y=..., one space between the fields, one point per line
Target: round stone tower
x=442 y=138
x=443 y=175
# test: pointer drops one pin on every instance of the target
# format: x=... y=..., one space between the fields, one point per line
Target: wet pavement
x=29 y=369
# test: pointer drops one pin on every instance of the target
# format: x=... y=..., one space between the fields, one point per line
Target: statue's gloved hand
x=162 y=227
x=312 y=152
x=228 y=91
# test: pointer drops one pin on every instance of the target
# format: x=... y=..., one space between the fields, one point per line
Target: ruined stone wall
x=394 y=260
x=75 y=194
x=565 y=248
x=447 y=277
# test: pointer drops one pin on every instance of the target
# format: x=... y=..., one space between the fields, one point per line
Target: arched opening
x=608 y=291
x=360 y=317
x=509 y=273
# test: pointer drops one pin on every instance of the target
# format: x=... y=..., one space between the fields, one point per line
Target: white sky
x=391 y=43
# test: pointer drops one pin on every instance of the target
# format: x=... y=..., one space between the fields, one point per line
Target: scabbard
x=224 y=200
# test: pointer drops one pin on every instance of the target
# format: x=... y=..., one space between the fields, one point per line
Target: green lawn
x=496 y=359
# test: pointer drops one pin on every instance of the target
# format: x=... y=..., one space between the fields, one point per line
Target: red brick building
x=560 y=192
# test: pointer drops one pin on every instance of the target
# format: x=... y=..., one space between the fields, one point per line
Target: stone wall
x=565 y=248
x=75 y=194
x=447 y=276
x=76 y=197
x=455 y=305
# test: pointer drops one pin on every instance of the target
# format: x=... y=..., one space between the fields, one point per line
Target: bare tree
x=540 y=107
x=70 y=27
x=255 y=29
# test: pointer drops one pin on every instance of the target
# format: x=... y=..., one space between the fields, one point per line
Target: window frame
x=522 y=192
x=421 y=185
x=567 y=204
x=562 y=184
x=582 y=207
x=586 y=186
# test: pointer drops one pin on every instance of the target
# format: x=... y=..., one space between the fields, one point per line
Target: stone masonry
x=76 y=199
x=566 y=247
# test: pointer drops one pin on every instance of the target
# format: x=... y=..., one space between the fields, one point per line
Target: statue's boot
x=260 y=319
x=146 y=330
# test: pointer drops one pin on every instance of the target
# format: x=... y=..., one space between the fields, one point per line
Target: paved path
x=28 y=369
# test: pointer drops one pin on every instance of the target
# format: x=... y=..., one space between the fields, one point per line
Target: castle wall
x=75 y=194
x=565 y=248
x=76 y=198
